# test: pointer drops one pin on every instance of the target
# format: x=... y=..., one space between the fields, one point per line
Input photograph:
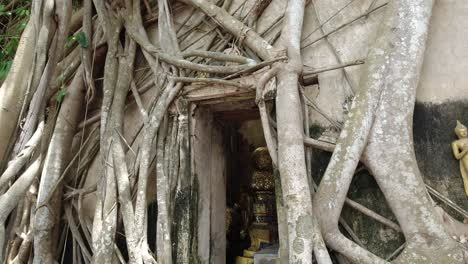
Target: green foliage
x=80 y=38
x=22 y=25
x=60 y=95
x=22 y=12
x=6 y=55
x=12 y=23
x=10 y=47
x=69 y=41
x=5 y=68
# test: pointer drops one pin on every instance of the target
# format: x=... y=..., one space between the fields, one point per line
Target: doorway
x=224 y=138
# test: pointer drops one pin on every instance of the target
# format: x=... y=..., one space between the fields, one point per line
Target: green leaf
x=11 y=46
x=60 y=95
x=82 y=40
x=69 y=41
x=22 y=26
x=22 y=12
x=5 y=67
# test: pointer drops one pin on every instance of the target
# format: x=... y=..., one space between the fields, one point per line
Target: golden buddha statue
x=263 y=229
x=460 y=151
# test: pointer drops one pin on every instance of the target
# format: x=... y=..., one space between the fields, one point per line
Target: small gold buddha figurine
x=460 y=151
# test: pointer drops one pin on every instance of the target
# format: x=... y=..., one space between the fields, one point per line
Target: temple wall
x=442 y=98
x=444 y=75
x=346 y=45
x=442 y=95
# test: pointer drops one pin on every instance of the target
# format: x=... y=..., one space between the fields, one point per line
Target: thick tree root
x=443 y=251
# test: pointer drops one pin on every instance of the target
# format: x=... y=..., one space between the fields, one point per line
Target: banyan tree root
x=379 y=127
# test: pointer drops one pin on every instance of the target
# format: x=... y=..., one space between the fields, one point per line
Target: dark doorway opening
x=250 y=196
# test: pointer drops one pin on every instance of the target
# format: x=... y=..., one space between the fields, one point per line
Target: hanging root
x=270 y=140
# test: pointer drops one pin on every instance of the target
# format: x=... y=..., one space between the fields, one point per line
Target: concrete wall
x=442 y=98
x=442 y=95
x=444 y=75
x=349 y=44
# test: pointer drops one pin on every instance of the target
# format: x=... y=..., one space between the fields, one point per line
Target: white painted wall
x=445 y=71
x=444 y=74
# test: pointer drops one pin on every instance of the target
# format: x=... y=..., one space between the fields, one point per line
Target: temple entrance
x=236 y=205
x=250 y=193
